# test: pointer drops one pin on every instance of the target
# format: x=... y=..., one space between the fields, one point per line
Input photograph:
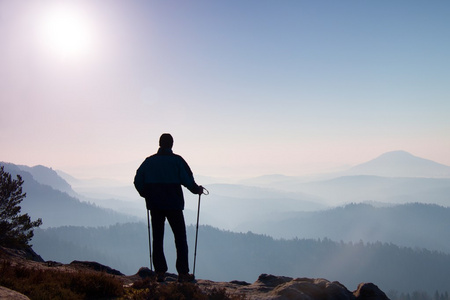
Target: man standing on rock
x=159 y=180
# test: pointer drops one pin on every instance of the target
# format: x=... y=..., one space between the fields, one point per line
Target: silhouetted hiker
x=159 y=180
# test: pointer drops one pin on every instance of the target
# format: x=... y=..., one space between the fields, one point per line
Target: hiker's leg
x=159 y=260
x=176 y=221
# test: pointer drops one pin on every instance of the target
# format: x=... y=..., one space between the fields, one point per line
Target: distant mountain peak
x=397 y=153
x=400 y=163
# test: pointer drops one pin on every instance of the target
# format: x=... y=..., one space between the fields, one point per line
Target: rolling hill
x=58 y=208
x=413 y=225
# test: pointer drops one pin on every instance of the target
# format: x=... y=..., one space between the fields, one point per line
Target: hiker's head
x=166 y=141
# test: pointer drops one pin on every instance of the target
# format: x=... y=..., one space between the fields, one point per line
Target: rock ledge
x=267 y=287
x=270 y=287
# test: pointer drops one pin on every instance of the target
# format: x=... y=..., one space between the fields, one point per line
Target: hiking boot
x=186 y=277
x=161 y=276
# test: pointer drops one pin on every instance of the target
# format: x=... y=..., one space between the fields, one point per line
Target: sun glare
x=66 y=32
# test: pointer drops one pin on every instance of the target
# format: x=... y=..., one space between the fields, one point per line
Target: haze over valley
x=357 y=212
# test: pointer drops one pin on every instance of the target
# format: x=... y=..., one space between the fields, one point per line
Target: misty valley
x=354 y=226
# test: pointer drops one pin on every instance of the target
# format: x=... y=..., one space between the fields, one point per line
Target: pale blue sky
x=245 y=87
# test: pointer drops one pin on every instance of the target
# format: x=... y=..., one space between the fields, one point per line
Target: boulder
x=95 y=266
x=7 y=294
x=309 y=289
x=369 y=291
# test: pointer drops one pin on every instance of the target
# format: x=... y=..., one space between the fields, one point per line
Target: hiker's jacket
x=159 y=180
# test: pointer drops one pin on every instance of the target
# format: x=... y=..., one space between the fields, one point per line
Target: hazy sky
x=245 y=87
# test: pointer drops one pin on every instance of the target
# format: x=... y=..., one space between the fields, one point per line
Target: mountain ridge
x=398 y=163
x=407 y=225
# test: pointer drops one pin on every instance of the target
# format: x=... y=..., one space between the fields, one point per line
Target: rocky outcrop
x=270 y=287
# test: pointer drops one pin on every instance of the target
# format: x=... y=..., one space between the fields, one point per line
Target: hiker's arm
x=139 y=182
x=187 y=179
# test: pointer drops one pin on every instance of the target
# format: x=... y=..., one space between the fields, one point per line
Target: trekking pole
x=149 y=240
x=206 y=192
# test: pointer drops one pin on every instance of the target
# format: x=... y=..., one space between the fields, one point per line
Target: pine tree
x=16 y=229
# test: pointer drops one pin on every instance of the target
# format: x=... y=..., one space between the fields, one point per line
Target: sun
x=66 y=32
